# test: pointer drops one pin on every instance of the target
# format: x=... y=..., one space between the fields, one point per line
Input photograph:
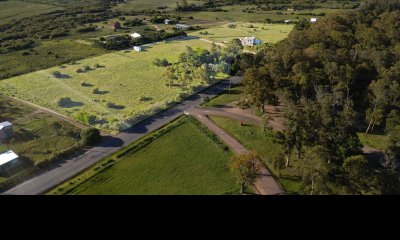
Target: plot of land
x=150 y=4
x=183 y=160
x=128 y=83
x=37 y=136
x=15 y=10
x=252 y=138
x=47 y=54
x=267 y=33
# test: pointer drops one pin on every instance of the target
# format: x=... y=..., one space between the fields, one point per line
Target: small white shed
x=137 y=48
x=8 y=159
x=6 y=130
x=135 y=35
x=313 y=20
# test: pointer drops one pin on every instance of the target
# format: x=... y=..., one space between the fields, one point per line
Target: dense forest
x=335 y=78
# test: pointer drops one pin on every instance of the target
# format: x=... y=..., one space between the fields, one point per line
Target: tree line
x=335 y=78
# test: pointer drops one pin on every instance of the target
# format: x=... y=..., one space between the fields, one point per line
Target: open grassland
x=128 y=84
x=138 y=5
x=15 y=10
x=37 y=136
x=47 y=54
x=181 y=158
x=252 y=138
x=268 y=33
x=236 y=13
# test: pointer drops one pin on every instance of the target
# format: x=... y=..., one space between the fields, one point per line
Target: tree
x=314 y=170
x=169 y=76
x=288 y=142
x=259 y=86
x=90 y=136
x=246 y=167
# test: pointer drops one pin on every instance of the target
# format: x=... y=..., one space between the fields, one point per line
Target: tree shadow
x=71 y=104
x=99 y=92
x=145 y=99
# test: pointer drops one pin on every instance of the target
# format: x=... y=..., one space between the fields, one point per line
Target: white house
x=137 y=48
x=167 y=21
x=135 y=35
x=8 y=159
x=249 y=41
x=6 y=130
x=182 y=26
x=313 y=20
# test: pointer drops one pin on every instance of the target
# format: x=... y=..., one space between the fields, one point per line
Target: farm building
x=250 y=41
x=115 y=25
x=135 y=35
x=313 y=20
x=287 y=21
x=167 y=21
x=137 y=48
x=8 y=159
x=182 y=26
x=6 y=130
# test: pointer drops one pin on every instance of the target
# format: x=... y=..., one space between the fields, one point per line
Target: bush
x=85 y=118
x=56 y=74
x=231 y=25
x=79 y=70
x=95 y=91
x=90 y=136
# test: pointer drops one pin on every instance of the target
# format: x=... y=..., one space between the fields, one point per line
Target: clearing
x=267 y=33
x=16 y=10
x=124 y=85
x=164 y=162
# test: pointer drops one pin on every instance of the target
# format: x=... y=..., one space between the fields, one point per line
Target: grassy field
x=35 y=132
x=268 y=33
x=252 y=138
x=165 y=162
x=236 y=13
x=129 y=80
x=136 y=5
x=226 y=97
x=15 y=10
x=47 y=54
x=379 y=142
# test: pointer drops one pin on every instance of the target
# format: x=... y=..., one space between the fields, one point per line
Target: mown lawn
x=127 y=79
x=183 y=160
x=15 y=10
x=226 y=97
x=267 y=33
x=37 y=136
x=252 y=138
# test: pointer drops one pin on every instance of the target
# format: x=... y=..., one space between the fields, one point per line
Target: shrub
x=85 y=118
x=64 y=102
x=90 y=136
x=56 y=74
x=86 y=68
x=79 y=70
x=231 y=25
x=95 y=90
x=96 y=65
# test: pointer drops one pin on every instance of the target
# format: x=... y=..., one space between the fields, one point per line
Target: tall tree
x=246 y=167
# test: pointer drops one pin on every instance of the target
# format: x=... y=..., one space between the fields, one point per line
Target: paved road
x=72 y=166
x=266 y=183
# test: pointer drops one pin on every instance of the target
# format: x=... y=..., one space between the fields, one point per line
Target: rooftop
x=7 y=156
x=5 y=124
